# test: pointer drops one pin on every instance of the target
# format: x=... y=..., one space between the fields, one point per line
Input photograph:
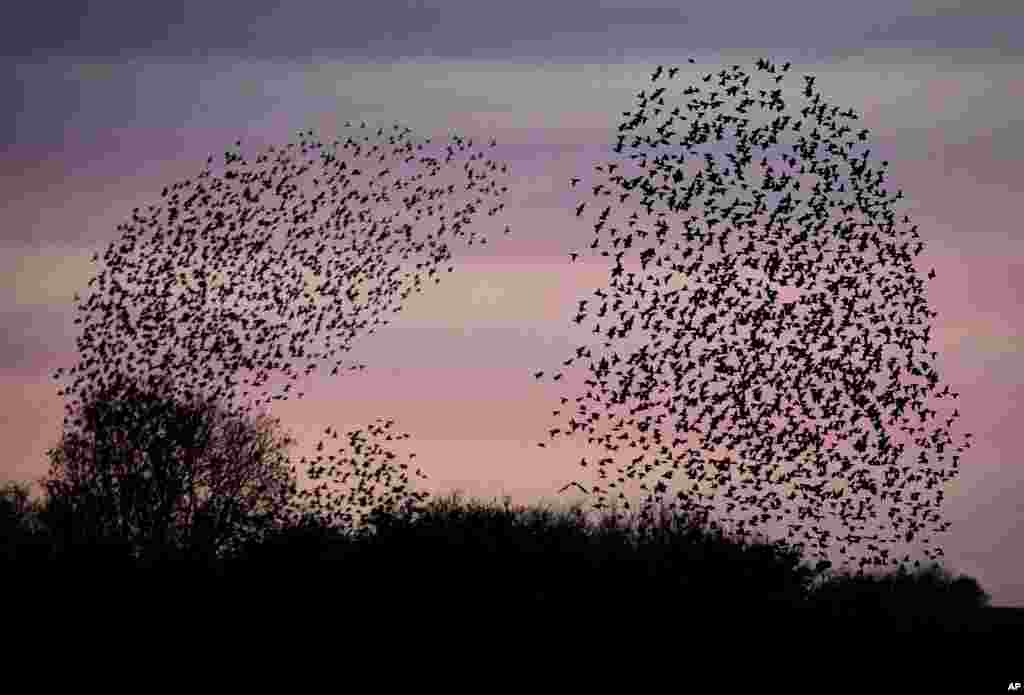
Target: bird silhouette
x=212 y=297
x=572 y=484
x=259 y=271
x=712 y=354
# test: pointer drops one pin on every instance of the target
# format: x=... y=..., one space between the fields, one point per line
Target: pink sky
x=454 y=368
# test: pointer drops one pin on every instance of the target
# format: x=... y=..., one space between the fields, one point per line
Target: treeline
x=463 y=559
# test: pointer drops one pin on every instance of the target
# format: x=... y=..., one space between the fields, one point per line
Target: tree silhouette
x=163 y=472
x=838 y=264
x=230 y=275
x=20 y=519
x=16 y=507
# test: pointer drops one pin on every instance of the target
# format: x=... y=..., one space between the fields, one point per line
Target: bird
x=712 y=354
x=202 y=285
x=828 y=392
x=566 y=487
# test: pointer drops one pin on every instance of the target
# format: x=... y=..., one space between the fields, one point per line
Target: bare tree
x=166 y=472
x=859 y=286
x=191 y=301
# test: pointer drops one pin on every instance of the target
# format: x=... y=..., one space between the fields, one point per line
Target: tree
x=19 y=519
x=138 y=322
x=166 y=473
x=16 y=507
x=828 y=260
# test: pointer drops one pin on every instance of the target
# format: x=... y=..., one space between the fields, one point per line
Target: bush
x=471 y=560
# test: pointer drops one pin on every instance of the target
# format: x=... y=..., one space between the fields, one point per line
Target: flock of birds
x=838 y=264
x=200 y=336
x=843 y=262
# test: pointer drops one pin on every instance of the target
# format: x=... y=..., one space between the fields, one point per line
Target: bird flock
x=837 y=265
x=754 y=374
x=156 y=316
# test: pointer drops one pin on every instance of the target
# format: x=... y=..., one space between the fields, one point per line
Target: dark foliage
x=452 y=560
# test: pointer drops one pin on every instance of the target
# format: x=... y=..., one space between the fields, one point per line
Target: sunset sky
x=109 y=103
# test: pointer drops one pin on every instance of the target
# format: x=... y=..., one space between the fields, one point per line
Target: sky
x=112 y=102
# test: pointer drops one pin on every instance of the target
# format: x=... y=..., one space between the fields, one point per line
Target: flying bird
x=208 y=273
x=583 y=489
x=740 y=376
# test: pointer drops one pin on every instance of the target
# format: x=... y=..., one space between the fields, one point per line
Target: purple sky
x=122 y=99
